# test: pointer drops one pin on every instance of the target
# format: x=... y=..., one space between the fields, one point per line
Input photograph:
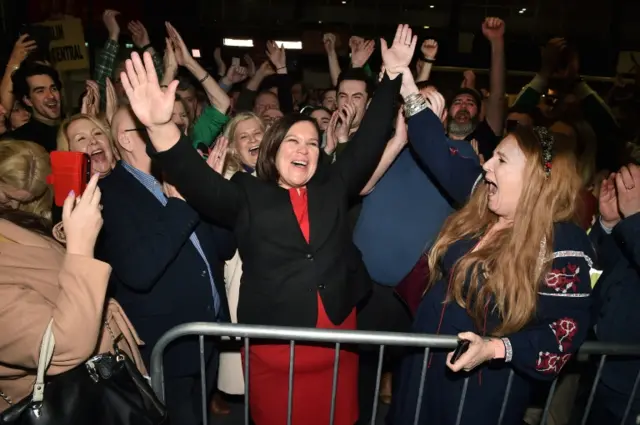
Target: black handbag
x=105 y=390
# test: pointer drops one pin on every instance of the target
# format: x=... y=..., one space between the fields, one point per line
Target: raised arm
x=218 y=97
x=455 y=173
x=334 y=64
x=393 y=149
x=362 y=154
x=493 y=30
x=204 y=189
x=77 y=310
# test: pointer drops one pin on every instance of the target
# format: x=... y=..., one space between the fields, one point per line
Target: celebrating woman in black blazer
x=300 y=265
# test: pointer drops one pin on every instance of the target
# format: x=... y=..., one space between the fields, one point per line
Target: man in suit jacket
x=167 y=265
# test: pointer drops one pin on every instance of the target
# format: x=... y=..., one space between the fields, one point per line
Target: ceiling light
x=234 y=42
x=291 y=45
x=431 y=6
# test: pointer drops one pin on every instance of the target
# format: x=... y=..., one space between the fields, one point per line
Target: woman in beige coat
x=244 y=133
x=40 y=280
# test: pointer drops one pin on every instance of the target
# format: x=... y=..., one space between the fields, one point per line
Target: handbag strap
x=46 y=354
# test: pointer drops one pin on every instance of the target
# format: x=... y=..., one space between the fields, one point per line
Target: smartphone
x=463 y=346
x=42 y=36
x=235 y=61
x=196 y=53
x=69 y=171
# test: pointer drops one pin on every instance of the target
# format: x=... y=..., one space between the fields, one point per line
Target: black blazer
x=282 y=274
x=158 y=276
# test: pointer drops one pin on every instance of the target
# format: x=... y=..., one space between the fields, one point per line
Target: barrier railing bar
x=547 y=403
x=246 y=381
x=463 y=397
x=376 y=394
x=292 y=354
x=423 y=377
x=592 y=393
x=203 y=382
x=334 y=388
x=507 y=390
x=330 y=336
x=351 y=337
x=631 y=397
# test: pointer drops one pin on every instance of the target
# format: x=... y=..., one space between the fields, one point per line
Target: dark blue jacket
x=617 y=299
x=158 y=276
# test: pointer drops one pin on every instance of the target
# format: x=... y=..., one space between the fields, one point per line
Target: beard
x=462 y=129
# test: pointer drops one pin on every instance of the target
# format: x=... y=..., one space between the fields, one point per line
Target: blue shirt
x=401 y=218
x=155 y=188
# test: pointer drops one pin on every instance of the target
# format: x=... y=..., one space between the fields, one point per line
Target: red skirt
x=312 y=381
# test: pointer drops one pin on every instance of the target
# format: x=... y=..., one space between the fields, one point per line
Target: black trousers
x=382 y=311
x=183 y=394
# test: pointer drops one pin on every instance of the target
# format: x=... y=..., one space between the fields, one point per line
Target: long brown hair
x=512 y=266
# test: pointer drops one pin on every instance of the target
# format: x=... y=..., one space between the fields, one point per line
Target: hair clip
x=547 y=141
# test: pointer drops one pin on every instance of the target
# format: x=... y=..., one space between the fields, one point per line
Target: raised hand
x=217 y=58
x=469 y=79
x=346 y=115
x=362 y=53
x=429 y=49
x=276 y=55
x=251 y=65
x=91 y=100
x=331 y=140
x=110 y=22
x=218 y=155
x=139 y=34
x=170 y=61
x=82 y=219
x=608 y=202
x=21 y=50
x=266 y=69
x=183 y=56
x=152 y=106
x=111 y=101
x=237 y=74
x=355 y=42
x=493 y=29
x=397 y=57
x=329 y=41
x=628 y=189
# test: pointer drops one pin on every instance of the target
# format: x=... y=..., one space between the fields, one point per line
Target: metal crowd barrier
x=338 y=337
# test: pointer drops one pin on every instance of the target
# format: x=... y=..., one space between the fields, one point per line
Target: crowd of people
x=374 y=204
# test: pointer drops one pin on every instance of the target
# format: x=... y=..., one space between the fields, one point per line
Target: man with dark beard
x=464 y=122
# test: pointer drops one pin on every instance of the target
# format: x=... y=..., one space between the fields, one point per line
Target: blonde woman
x=41 y=280
x=90 y=135
x=510 y=274
x=244 y=134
